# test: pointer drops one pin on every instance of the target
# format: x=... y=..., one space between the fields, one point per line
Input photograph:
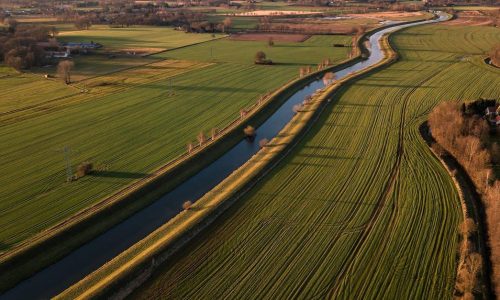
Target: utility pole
x=67 y=162
x=67 y=159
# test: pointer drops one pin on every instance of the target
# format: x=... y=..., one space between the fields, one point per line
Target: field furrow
x=360 y=209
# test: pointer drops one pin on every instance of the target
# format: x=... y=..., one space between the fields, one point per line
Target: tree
x=83 y=23
x=328 y=78
x=187 y=205
x=360 y=29
x=215 y=131
x=53 y=31
x=227 y=23
x=201 y=138
x=467 y=227
x=249 y=131
x=263 y=143
x=270 y=42
x=13 y=60
x=83 y=169
x=260 y=56
x=495 y=56
x=11 y=24
x=64 y=70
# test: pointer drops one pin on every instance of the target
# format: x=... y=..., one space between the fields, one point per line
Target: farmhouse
x=54 y=50
x=82 y=45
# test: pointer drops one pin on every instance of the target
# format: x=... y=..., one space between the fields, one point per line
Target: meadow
x=153 y=38
x=127 y=123
x=360 y=208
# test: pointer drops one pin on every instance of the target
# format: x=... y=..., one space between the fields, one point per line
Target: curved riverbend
x=82 y=261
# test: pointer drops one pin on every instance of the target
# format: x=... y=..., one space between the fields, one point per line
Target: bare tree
x=263 y=143
x=187 y=205
x=214 y=133
x=328 y=78
x=227 y=23
x=201 y=138
x=467 y=227
x=270 y=42
x=260 y=56
x=64 y=70
x=249 y=131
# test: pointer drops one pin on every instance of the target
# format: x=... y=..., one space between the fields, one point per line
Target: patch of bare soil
x=386 y=15
x=277 y=37
x=261 y=13
x=470 y=18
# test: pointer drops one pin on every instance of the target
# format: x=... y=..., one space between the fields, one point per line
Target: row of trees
x=467 y=138
x=125 y=16
x=470 y=262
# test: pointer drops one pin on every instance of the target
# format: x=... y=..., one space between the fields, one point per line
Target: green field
x=128 y=123
x=360 y=209
x=135 y=37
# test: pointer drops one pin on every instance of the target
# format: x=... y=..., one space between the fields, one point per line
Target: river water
x=87 y=258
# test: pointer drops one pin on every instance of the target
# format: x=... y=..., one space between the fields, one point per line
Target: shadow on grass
x=117 y=174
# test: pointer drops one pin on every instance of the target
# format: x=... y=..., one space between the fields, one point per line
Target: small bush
x=467 y=227
x=263 y=143
x=249 y=131
x=297 y=108
x=260 y=59
x=83 y=169
x=270 y=42
x=187 y=205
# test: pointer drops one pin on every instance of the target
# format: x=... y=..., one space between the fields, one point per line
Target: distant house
x=81 y=47
x=60 y=54
x=54 y=50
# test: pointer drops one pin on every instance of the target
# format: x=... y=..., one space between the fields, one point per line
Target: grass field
x=128 y=123
x=360 y=209
x=136 y=37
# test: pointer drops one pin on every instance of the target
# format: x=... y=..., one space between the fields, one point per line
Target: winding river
x=87 y=258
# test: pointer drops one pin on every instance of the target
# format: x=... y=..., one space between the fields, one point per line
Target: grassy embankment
x=360 y=208
x=129 y=123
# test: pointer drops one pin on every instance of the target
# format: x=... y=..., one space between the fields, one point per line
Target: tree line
x=467 y=136
x=19 y=44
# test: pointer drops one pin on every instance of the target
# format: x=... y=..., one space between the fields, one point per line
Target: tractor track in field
x=90 y=96
x=388 y=188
